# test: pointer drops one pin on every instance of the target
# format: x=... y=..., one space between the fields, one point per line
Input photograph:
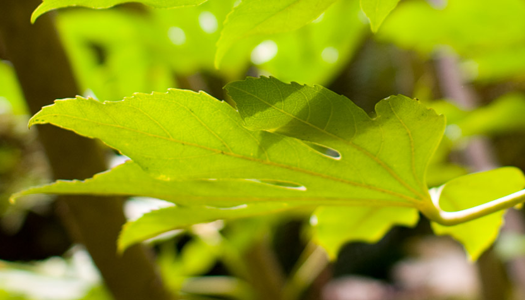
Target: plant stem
x=447 y=218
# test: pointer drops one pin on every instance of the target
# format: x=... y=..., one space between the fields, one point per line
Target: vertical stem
x=44 y=74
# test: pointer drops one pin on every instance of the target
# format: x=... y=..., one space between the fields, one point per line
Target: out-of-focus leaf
x=447 y=108
x=117 y=55
x=255 y=17
x=196 y=257
x=11 y=98
x=48 y=5
x=335 y=226
x=472 y=190
x=377 y=11
x=503 y=115
x=317 y=52
x=485 y=32
x=170 y=218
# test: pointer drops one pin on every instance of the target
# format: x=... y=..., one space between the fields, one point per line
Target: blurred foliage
x=11 y=98
x=486 y=34
x=124 y=50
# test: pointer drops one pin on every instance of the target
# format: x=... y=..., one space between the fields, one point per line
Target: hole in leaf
x=242 y=206
x=281 y=184
x=323 y=150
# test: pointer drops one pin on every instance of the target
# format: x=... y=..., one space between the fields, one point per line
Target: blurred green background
x=464 y=58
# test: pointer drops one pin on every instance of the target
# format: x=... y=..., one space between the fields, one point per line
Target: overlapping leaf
x=48 y=5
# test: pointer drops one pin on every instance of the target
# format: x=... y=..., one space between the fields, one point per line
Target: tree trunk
x=44 y=74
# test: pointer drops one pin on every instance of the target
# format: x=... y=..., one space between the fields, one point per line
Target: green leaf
x=255 y=17
x=48 y=5
x=472 y=190
x=129 y=179
x=372 y=146
x=11 y=97
x=335 y=226
x=289 y=144
x=170 y=218
x=317 y=52
x=382 y=161
x=377 y=11
x=214 y=160
x=485 y=33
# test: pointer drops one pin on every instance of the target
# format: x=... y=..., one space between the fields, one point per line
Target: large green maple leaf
x=291 y=145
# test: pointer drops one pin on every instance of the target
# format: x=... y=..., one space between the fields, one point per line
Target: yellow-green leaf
x=170 y=218
x=472 y=190
x=48 y=5
x=377 y=11
x=256 y=17
x=335 y=226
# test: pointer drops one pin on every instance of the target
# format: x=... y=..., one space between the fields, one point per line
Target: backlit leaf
x=289 y=145
x=382 y=160
x=472 y=190
x=170 y=218
x=377 y=11
x=335 y=226
x=256 y=17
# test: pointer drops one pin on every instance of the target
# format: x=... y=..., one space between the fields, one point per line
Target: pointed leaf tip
x=377 y=11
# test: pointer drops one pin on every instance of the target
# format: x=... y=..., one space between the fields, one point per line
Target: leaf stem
x=446 y=218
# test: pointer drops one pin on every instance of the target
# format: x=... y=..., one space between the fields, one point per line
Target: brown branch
x=44 y=74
